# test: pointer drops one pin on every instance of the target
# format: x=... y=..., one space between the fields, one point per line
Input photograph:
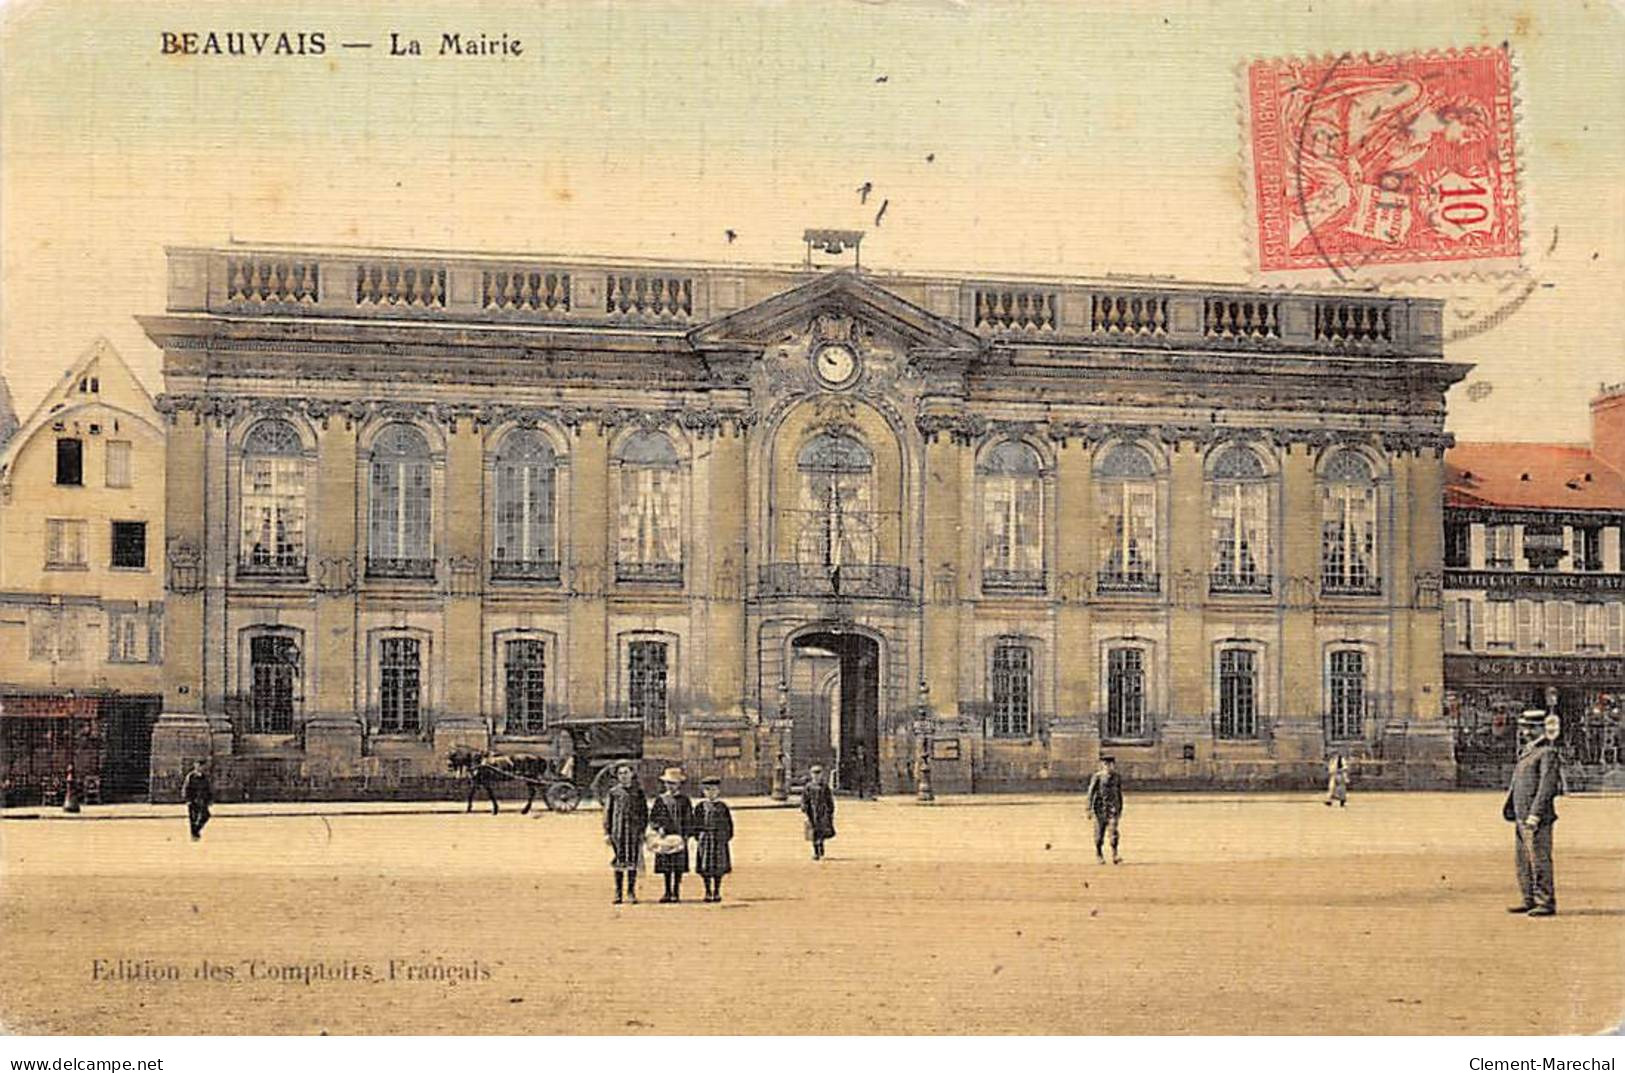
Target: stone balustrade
x=676 y=297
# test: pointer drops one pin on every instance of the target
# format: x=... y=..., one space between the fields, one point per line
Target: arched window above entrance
x=836 y=524
x=836 y=452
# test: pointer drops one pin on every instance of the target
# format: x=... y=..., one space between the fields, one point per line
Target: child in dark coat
x=714 y=825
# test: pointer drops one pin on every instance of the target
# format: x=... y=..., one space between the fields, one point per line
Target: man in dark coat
x=626 y=815
x=1105 y=796
x=672 y=814
x=818 y=805
x=1529 y=806
x=714 y=827
x=198 y=795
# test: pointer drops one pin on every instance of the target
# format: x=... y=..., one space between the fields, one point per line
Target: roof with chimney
x=1537 y=476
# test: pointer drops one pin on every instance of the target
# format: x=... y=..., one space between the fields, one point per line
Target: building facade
x=858 y=518
x=81 y=586
x=1535 y=595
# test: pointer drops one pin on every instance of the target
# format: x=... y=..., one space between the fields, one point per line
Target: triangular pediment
x=847 y=293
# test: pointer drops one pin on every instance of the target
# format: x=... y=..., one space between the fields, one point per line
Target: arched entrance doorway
x=835 y=706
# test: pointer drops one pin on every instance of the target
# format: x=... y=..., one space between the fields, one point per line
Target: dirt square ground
x=1255 y=914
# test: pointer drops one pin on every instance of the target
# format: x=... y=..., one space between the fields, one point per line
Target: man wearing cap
x=1529 y=807
x=671 y=816
x=818 y=805
x=626 y=815
x=714 y=829
x=1105 y=796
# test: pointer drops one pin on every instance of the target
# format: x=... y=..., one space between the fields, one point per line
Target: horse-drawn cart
x=585 y=755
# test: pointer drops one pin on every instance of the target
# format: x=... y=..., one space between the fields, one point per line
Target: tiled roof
x=1543 y=476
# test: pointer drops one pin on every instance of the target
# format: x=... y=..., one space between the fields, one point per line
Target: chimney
x=1608 y=425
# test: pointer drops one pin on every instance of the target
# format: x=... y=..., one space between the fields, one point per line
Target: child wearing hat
x=671 y=817
x=714 y=827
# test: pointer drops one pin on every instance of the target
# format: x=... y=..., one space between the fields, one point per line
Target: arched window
x=1012 y=517
x=650 y=545
x=837 y=502
x=1348 y=542
x=1239 y=506
x=1127 y=488
x=526 y=529
x=271 y=539
x=399 y=505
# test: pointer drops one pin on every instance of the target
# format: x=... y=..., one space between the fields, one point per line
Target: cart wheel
x=602 y=781
x=562 y=797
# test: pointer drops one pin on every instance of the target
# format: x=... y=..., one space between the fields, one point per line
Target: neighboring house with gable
x=81 y=585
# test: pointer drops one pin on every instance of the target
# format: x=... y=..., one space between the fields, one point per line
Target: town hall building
x=785 y=516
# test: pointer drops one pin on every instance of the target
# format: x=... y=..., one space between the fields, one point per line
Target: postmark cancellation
x=1368 y=168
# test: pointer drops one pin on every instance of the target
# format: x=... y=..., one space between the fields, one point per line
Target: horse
x=484 y=770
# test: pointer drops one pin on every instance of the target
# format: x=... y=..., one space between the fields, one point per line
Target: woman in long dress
x=626 y=815
x=1337 y=781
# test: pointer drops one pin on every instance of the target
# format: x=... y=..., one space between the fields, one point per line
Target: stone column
x=724 y=542
x=333 y=726
x=945 y=576
x=1075 y=734
x=1184 y=578
x=460 y=722
x=182 y=733
x=591 y=569
x=1430 y=744
x=1299 y=735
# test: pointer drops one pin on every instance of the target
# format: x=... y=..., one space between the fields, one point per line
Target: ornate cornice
x=968 y=428
x=697 y=420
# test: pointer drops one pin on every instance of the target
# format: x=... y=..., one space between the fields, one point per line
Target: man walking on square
x=1105 y=796
x=1529 y=808
x=198 y=795
x=818 y=805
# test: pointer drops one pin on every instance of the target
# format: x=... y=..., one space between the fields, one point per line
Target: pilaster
x=591 y=569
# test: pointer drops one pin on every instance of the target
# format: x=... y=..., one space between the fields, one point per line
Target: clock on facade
x=835 y=364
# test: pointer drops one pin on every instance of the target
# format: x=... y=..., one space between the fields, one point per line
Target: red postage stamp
x=1367 y=167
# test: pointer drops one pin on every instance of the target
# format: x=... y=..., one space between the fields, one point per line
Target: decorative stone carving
x=1299 y=593
x=335 y=576
x=587 y=578
x=463 y=576
x=944 y=585
x=726 y=584
x=185 y=567
x=1188 y=590
x=1428 y=591
x=1072 y=586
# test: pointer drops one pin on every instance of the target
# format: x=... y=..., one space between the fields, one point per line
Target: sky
x=1066 y=139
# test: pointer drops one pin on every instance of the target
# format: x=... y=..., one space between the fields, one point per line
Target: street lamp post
x=781 y=781
x=923 y=792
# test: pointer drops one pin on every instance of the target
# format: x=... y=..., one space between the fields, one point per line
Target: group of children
x=664 y=827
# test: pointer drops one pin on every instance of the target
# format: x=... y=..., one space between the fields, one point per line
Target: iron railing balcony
x=871 y=580
x=653 y=573
x=1341 y=586
x=1013 y=581
x=1111 y=582
x=416 y=569
x=1221 y=584
x=537 y=570
x=284 y=567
